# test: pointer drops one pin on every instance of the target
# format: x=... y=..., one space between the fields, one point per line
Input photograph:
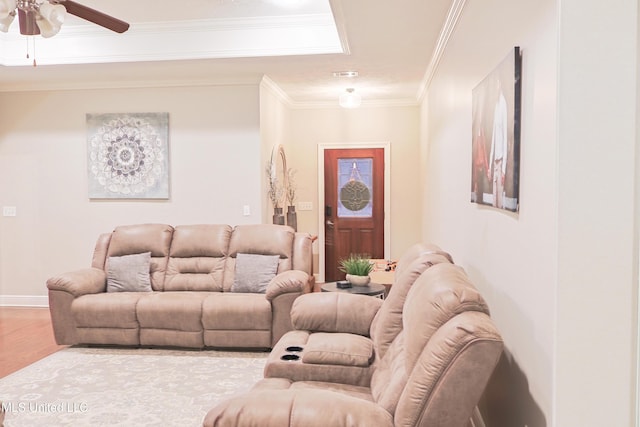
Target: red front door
x=354 y=206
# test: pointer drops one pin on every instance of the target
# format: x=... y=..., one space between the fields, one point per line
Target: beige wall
x=560 y=276
x=274 y=119
x=219 y=136
x=215 y=169
x=397 y=125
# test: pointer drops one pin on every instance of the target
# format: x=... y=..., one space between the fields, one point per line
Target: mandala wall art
x=128 y=155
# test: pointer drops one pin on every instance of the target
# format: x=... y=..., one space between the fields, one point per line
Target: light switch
x=305 y=206
x=9 y=211
x=246 y=210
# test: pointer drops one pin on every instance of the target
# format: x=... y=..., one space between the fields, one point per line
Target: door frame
x=386 y=146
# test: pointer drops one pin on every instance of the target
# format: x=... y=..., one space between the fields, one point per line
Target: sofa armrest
x=297 y=408
x=334 y=312
x=291 y=281
x=79 y=282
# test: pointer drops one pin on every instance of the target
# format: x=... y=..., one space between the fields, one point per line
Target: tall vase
x=292 y=217
x=278 y=217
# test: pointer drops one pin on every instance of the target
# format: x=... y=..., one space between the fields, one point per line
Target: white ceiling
x=296 y=43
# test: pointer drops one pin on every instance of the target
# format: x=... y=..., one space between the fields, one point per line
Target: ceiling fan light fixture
x=50 y=19
x=7 y=14
x=5 y=22
x=6 y=7
x=350 y=99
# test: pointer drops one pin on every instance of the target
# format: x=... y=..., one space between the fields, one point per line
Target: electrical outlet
x=9 y=211
x=305 y=206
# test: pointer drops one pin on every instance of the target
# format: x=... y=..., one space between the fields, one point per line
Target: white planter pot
x=358 y=280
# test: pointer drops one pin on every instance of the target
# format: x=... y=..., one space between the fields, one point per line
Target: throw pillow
x=129 y=273
x=254 y=272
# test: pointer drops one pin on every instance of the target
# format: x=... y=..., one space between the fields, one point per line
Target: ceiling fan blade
x=94 y=16
x=28 y=26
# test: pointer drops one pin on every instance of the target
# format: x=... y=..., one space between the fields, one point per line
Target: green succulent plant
x=356 y=264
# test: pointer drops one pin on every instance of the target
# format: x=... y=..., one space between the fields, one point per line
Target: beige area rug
x=126 y=387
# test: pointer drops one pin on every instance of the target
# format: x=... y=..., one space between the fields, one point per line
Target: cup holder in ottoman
x=290 y=356
x=344 y=359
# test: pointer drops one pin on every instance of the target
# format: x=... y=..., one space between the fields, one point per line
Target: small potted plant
x=357 y=267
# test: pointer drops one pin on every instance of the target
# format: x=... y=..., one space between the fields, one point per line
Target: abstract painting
x=495 y=167
x=128 y=155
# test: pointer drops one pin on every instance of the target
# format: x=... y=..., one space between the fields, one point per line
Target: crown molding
x=341 y=28
x=275 y=90
x=194 y=39
x=132 y=84
x=453 y=16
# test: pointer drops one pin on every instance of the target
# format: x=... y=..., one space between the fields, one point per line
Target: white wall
x=215 y=169
x=510 y=257
x=397 y=125
x=560 y=276
x=597 y=268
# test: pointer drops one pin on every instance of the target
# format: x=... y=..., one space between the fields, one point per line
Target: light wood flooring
x=26 y=336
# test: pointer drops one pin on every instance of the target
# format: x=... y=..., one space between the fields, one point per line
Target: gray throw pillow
x=254 y=272
x=129 y=273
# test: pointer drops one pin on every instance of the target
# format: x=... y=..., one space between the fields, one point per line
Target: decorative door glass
x=355 y=188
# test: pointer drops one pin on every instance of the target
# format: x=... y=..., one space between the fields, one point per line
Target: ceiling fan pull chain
x=33 y=42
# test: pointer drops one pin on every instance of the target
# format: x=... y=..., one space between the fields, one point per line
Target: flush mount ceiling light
x=45 y=17
x=350 y=99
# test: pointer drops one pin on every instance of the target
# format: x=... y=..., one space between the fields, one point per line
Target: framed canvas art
x=496 y=104
x=128 y=155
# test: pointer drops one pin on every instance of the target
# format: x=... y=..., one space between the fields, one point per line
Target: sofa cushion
x=197 y=257
x=338 y=349
x=181 y=311
x=388 y=321
x=129 y=273
x=200 y=240
x=254 y=272
x=231 y=311
x=334 y=312
x=444 y=291
x=259 y=239
x=113 y=310
x=135 y=239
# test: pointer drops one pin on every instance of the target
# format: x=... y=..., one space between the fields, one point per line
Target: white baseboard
x=24 y=301
x=476 y=419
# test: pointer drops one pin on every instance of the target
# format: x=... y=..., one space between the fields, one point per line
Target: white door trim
x=387 y=195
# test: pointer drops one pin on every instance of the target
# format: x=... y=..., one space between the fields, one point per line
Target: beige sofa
x=186 y=286
x=341 y=344
x=441 y=352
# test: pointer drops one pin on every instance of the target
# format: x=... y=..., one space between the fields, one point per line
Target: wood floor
x=26 y=336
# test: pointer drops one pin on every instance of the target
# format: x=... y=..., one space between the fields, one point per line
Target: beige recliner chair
x=432 y=374
x=342 y=336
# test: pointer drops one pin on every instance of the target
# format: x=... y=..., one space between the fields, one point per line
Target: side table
x=372 y=289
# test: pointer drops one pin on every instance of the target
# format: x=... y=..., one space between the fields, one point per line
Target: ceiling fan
x=45 y=17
